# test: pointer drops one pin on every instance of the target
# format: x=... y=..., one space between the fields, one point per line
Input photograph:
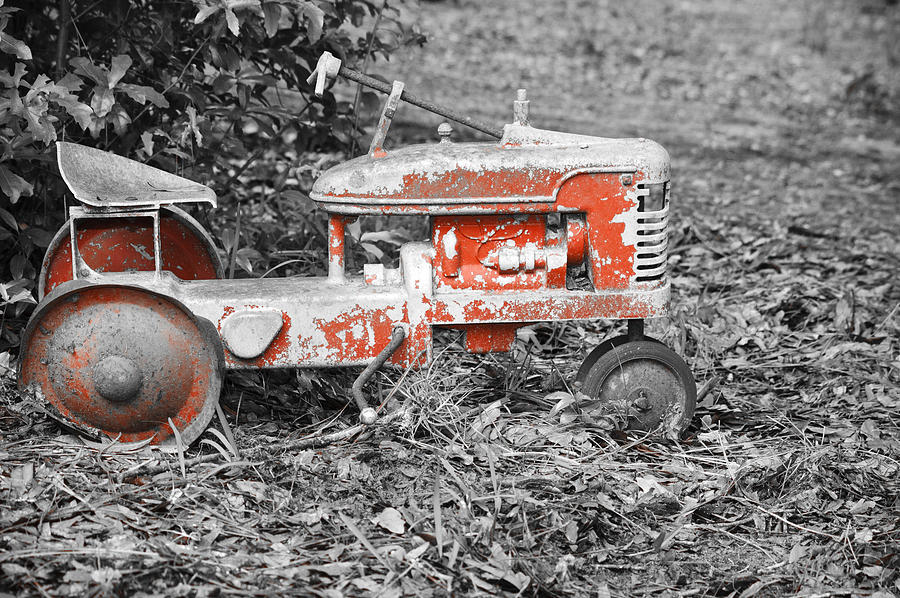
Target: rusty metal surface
x=106 y=180
x=542 y=225
x=125 y=244
x=327 y=324
x=367 y=415
x=337 y=225
x=496 y=252
x=122 y=361
x=520 y=108
x=324 y=324
x=643 y=385
x=472 y=307
x=384 y=123
x=249 y=332
x=462 y=178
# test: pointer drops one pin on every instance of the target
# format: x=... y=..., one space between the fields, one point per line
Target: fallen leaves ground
x=782 y=122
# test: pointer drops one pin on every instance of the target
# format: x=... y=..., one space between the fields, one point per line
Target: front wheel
x=124 y=362
x=643 y=385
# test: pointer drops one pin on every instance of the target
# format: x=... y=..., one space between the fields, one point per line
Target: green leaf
x=61 y=94
x=11 y=45
x=223 y=83
x=147 y=141
x=82 y=113
x=272 y=14
x=194 y=126
x=315 y=17
x=233 y=25
x=17 y=266
x=120 y=66
x=71 y=82
x=119 y=119
x=15 y=79
x=39 y=236
x=142 y=93
x=103 y=101
x=205 y=12
x=9 y=219
x=23 y=296
x=13 y=185
x=85 y=67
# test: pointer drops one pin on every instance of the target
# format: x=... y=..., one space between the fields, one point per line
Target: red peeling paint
x=602 y=197
x=478 y=241
x=178 y=365
x=275 y=355
x=490 y=338
x=126 y=244
x=357 y=334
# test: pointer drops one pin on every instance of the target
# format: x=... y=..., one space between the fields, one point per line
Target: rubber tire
x=616 y=357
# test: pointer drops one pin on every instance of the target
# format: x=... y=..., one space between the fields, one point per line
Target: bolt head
x=445 y=130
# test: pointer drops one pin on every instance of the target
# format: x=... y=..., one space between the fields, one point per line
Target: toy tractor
x=136 y=324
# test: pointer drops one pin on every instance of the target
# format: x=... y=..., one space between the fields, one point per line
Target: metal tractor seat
x=104 y=180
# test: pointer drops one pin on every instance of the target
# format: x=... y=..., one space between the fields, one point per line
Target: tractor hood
x=527 y=165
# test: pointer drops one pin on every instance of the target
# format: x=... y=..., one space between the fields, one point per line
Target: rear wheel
x=643 y=385
x=126 y=244
x=123 y=362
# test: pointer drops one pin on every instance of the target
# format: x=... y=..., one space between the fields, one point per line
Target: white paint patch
x=450 y=242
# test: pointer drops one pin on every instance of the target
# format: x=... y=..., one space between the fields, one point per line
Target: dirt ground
x=782 y=122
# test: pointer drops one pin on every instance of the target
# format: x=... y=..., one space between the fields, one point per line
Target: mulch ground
x=781 y=119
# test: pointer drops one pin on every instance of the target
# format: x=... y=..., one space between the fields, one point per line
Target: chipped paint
x=509 y=221
x=120 y=245
x=487 y=252
x=470 y=177
x=248 y=333
x=489 y=338
x=337 y=225
x=81 y=327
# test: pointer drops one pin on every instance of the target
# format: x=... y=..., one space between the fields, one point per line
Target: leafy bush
x=204 y=88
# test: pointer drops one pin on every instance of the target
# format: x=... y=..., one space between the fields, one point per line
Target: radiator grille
x=653 y=241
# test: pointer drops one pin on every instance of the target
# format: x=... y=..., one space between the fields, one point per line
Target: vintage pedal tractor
x=136 y=324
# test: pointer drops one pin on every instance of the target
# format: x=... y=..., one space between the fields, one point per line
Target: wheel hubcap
x=645 y=392
x=117 y=378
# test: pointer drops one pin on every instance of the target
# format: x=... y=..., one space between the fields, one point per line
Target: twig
x=325 y=439
x=165 y=466
x=365 y=65
x=62 y=40
x=785 y=521
x=885 y=321
x=707 y=387
x=747 y=541
x=236 y=241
